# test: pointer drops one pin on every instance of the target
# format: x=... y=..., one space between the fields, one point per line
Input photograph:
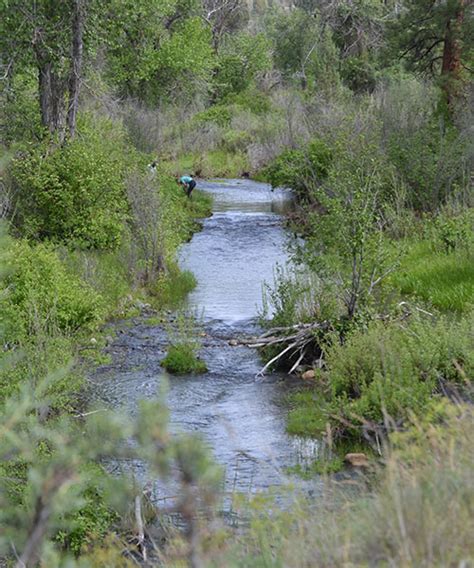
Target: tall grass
x=419 y=514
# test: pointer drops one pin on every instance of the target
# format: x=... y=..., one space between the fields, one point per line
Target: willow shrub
x=390 y=373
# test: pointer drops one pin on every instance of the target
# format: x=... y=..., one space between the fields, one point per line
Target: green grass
x=306 y=416
x=181 y=359
x=170 y=290
x=443 y=280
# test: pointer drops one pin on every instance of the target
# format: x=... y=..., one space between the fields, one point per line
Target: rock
x=109 y=339
x=93 y=341
x=233 y=342
x=142 y=306
x=356 y=460
x=308 y=375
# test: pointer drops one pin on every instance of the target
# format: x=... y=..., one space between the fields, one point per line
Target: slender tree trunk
x=44 y=90
x=50 y=90
x=77 y=47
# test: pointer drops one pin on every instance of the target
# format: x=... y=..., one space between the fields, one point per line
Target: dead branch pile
x=297 y=342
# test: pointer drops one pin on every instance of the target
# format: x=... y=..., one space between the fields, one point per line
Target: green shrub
x=392 y=371
x=219 y=114
x=171 y=288
x=431 y=161
x=301 y=170
x=41 y=297
x=90 y=524
x=181 y=359
x=252 y=100
x=74 y=193
x=236 y=140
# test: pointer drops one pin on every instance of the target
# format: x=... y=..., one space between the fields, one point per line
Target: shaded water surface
x=241 y=416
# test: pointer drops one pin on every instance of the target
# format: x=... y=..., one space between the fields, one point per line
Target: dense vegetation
x=364 y=109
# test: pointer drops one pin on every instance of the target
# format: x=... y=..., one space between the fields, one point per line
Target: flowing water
x=240 y=415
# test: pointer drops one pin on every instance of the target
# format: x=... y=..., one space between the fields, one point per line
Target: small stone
x=233 y=342
x=109 y=339
x=93 y=341
x=356 y=460
x=308 y=375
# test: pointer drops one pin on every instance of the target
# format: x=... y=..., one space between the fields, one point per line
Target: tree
x=156 y=48
x=435 y=37
x=49 y=36
x=223 y=16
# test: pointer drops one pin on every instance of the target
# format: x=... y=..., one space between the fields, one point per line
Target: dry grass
x=419 y=514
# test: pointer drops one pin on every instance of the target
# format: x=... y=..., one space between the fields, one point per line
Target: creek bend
x=241 y=416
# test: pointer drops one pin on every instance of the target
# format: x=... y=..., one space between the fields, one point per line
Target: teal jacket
x=185 y=179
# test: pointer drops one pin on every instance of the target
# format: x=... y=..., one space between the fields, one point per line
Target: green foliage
x=307 y=415
x=171 y=289
x=236 y=140
x=359 y=74
x=181 y=359
x=444 y=281
x=297 y=296
x=302 y=170
x=19 y=112
x=219 y=114
x=73 y=193
x=304 y=49
x=347 y=243
x=422 y=45
x=390 y=373
x=184 y=343
x=156 y=51
x=431 y=161
x=241 y=59
x=93 y=520
x=42 y=297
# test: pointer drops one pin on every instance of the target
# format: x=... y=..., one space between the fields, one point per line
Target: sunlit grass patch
x=444 y=280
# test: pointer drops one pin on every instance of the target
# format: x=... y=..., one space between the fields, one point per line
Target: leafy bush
x=73 y=193
x=432 y=162
x=302 y=169
x=90 y=524
x=220 y=114
x=41 y=296
x=391 y=372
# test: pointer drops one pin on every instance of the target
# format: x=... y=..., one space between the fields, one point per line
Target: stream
x=240 y=415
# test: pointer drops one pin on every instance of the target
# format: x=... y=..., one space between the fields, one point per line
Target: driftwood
x=296 y=342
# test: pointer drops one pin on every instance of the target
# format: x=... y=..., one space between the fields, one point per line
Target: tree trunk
x=451 y=65
x=78 y=18
x=50 y=90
